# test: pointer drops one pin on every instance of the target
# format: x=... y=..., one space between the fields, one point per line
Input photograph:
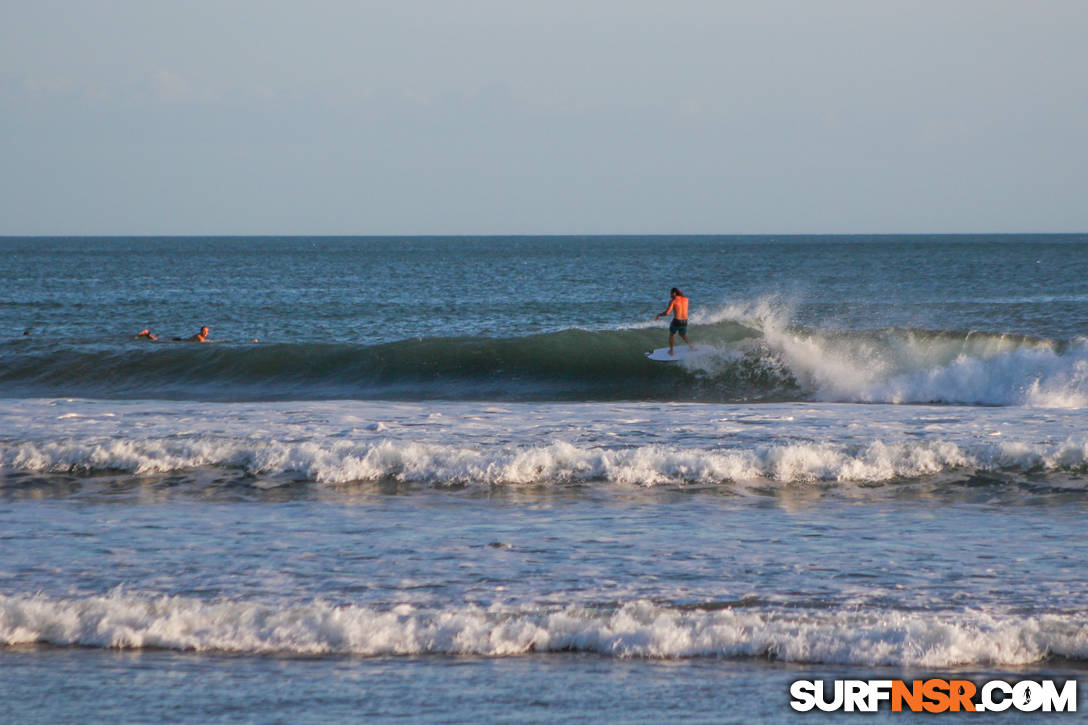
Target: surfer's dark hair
x=675 y=291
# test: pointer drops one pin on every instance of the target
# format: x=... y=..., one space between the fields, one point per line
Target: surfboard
x=661 y=354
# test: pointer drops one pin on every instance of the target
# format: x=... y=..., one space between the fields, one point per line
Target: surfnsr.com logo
x=934 y=695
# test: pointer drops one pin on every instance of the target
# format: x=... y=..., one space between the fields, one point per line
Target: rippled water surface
x=436 y=478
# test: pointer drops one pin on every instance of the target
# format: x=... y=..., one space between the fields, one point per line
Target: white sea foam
x=635 y=629
x=346 y=461
x=903 y=366
x=991 y=374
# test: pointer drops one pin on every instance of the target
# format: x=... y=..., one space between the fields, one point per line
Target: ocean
x=436 y=478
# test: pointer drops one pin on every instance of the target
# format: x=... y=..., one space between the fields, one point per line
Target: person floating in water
x=679 y=309
x=201 y=336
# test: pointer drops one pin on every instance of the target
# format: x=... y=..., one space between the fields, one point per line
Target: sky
x=549 y=117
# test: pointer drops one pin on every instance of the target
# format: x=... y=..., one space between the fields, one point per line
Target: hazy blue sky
x=625 y=116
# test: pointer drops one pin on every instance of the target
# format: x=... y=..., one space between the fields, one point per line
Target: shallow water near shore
x=164 y=686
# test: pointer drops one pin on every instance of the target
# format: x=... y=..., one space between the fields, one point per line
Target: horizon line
x=525 y=235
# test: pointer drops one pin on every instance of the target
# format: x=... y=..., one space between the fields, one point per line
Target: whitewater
x=447 y=444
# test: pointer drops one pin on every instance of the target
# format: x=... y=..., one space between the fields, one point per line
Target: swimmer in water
x=201 y=336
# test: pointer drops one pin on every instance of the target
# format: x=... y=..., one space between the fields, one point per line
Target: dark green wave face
x=736 y=363
x=566 y=365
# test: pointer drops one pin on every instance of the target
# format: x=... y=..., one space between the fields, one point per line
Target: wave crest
x=749 y=352
x=632 y=629
x=339 y=462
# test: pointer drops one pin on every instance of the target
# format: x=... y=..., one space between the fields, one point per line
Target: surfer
x=678 y=306
x=201 y=336
x=146 y=334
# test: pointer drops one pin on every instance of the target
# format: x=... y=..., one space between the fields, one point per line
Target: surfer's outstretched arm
x=672 y=304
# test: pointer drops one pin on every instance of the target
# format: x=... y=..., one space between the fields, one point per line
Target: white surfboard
x=680 y=352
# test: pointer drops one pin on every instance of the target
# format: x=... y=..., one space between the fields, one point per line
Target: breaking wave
x=344 y=461
x=746 y=353
x=636 y=629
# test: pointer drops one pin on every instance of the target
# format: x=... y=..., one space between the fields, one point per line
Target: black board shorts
x=680 y=326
